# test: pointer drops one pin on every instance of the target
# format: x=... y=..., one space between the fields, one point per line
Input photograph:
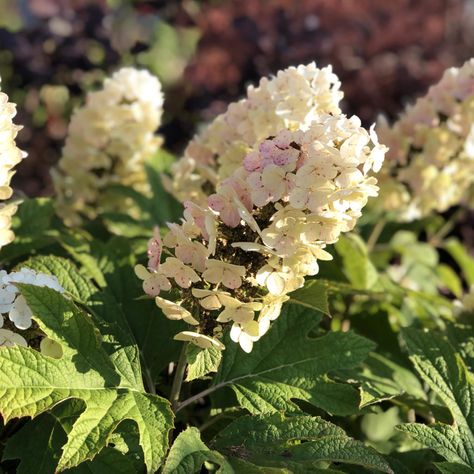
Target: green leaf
x=462 y=257
x=108 y=316
x=111 y=266
x=453 y=468
x=461 y=336
x=188 y=454
x=75 y=284
x=244 y=467
x=380 y=426
x=46 y=434
x=294 y=442
x=313 y=295
x=445 y=372
x=356 y=262
x=125 y=225
x=44 y=438
x=32 y=225
x=81 y=246
x=287 y=364
x=85 y=372
x=164 y=208
x=201 y=361
x=450 y=279
x=384 y=379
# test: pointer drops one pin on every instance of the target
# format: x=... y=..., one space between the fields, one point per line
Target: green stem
x=178 y=378
x=199 y=395
x=445 y=229
x=150 y=384
x=375 y=234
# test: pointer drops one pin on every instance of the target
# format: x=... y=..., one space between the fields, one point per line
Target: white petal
x=20 y=313
x=275 y=284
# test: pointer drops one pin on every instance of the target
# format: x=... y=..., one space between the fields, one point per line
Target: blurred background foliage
x=207 y=52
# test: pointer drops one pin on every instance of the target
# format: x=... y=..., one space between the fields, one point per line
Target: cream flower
x=153 y=282
x=175 y=311
x=239 y=312
x=430 y=165
x=108 y=141
x=10 y=156
x=212 y=299
x=200 y=340
x=155 y=247
x=183 y=275
x=291 y=100
x=246 y=334
x=228 y=274
x=9 y=338
x=51 y=348
x=277 y=279
x=20 y=313
x=281 y=195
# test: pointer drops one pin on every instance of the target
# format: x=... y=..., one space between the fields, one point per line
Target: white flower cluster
x=13 y=304
x=108 y=141
x=264 y=230
x=291 y=100
x=10 y=156
x=430 y=163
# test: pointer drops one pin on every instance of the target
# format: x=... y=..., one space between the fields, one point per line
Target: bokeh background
x=385 y=52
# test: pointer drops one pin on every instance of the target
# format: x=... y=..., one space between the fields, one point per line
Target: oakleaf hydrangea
x=233 y=261
x=291 y=100
x=430 y=163
x=10 y=156
x=108 y=141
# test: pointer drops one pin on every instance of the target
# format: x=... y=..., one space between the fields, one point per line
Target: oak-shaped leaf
x=445 y=372
x=31 y=383
x=295 y=443
x=290 y=363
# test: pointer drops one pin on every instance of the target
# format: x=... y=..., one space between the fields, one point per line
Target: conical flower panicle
x=10 y=156
x=430 y=163
x=235 y=260
x=291 y=100
x=108 y=141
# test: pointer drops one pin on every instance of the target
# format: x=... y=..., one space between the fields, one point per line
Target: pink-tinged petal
x=216 y=202
x=252 y=161
x=231 y=280
x=156 y=283
x=155 y=247
x=230 y=216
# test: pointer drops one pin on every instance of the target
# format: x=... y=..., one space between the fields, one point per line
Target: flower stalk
x=178 y=378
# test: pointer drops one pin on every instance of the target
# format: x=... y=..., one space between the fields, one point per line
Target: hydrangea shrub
x=247 y=307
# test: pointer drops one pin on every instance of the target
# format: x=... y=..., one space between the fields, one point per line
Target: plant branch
x=445 y=229
x=199 y=395
x=375 y=234
x=178 y=378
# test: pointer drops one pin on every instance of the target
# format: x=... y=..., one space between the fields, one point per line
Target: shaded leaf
x=314 y=295
x=446 y=374
x=188 y=454
x=296 y=441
